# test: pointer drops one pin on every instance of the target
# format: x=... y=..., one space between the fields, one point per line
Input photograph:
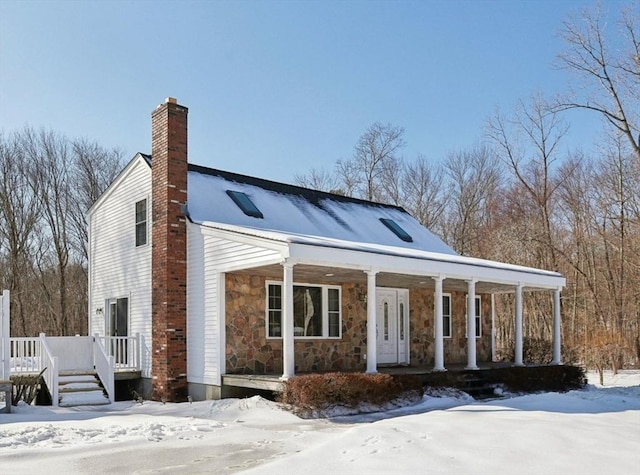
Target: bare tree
x=610 y=76
x=375 y=153
x=528 y=144
x=475 y=178
x=425 y=192
x=47 y=184
x=50 y=165
x=19 y=213
x=93 y=169
x=319 y=179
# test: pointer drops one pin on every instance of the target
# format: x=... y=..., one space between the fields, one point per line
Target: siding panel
x=117 y=267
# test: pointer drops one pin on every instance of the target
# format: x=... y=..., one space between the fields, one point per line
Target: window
x=141 y=223
x=478 y=316
x=446 y=315
x=386 y=321
x=316 y=311
x=396 y=229
x=245 y=204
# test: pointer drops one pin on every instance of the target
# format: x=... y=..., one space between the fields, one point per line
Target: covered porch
x=432 y=282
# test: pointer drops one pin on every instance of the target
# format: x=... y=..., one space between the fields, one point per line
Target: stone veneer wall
x=422 y=332
x=248 y=351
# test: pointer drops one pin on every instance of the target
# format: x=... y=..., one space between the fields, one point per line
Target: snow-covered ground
x=596 y=430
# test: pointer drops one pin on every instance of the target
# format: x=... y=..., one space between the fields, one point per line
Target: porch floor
x=272 y=382
x=489 y=380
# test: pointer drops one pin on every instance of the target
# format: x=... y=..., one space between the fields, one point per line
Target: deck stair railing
x=104 y=355
x=104 y=366
x=49 y=363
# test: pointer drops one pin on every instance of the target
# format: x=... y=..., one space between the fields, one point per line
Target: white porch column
x=5 y=338
x=557 y=354
x=288 y=353
x=437 y=315
x=372 y=357
x=493 y=327
x=471 y=324
x=518 y=342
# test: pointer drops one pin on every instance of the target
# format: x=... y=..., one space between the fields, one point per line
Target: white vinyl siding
x=208 y=257
x=117 y=267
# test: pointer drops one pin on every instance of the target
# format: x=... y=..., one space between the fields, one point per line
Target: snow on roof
x=302 y=212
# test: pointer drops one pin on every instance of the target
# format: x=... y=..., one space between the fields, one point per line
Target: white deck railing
x=25 y=355
x=125 y=351
x=54 y=354
x=50 y=365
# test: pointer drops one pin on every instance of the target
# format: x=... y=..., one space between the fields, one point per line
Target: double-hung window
x=446 y=315
x=478 y=316
x=141 y=223
x=316 y=311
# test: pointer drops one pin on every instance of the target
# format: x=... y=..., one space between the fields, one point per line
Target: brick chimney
x=169 y=251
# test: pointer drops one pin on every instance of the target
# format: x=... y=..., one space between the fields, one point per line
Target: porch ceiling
x=336 y=275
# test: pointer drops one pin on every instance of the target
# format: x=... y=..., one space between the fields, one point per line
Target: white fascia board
x=351 y=259
x=119 y=179
x=452 y=267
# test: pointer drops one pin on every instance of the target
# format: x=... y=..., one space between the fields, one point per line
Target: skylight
x=245 y=203
x=396 y=229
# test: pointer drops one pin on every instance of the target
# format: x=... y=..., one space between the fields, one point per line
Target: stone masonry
x=248 y=351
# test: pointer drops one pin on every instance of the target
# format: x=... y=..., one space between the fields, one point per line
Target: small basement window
x=396 y=229
x=245 y=203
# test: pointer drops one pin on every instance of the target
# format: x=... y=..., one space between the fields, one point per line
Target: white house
x=223 y=274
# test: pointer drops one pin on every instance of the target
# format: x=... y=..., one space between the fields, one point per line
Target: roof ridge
x=313 y=196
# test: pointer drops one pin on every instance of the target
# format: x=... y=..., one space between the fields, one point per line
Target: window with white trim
x=141 y=223
x=316 y=311
x=446 y=315
x=477 y=316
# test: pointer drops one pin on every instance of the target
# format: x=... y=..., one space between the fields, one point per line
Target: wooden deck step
x=80 y=389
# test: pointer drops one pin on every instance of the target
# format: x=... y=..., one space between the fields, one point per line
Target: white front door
x=392 y=326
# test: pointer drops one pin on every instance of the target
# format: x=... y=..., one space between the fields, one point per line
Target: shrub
x=317 y=392
x=536 y=350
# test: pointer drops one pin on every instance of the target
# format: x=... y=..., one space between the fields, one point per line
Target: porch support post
x=288 y=352
x=372 y=357
x=439 y=347
x=518 y=342
x=493 y=327
x=557 y=354
x=471 y=324
x=5 y=340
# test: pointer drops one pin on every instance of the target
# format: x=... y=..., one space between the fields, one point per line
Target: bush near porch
x=316 y=392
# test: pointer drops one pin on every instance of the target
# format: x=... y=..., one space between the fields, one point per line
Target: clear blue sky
x=275 y=88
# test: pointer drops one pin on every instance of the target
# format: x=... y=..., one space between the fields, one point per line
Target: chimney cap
x=171 y=100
